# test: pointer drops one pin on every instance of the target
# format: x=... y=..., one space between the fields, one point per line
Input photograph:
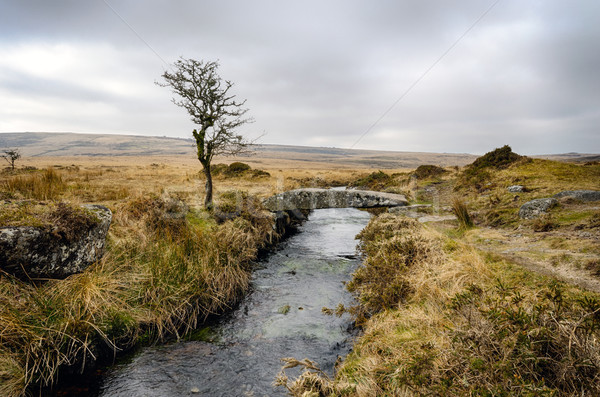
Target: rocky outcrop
x=310 y=199
x=516 y=189
x=535 y=208
x=46 y=252
x=581 y=195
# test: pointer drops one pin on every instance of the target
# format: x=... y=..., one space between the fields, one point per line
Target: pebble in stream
x=304 y=275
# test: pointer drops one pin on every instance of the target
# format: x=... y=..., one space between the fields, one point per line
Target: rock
x=535 y=208
x=310 y=199
x=581 y=195
x=37 y=252
x=516 y=189
x=409 y=208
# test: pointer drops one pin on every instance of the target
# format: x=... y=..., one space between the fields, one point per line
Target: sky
x=465 y=76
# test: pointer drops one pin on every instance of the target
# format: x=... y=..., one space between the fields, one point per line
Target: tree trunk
x=208 y=199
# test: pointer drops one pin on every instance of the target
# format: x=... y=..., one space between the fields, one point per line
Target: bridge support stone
x=310 y=199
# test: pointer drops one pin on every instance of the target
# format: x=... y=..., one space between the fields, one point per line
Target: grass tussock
x=467 y=324
x=45 y=185
x=166 y=269
x=460 y=210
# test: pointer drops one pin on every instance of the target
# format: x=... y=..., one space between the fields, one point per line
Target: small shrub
x=374 y=181
x=259 y=174
x=428 y=171
x=69 y=222
x=593 y=266
x=219 y=169
x=237 y=169
x=543 y=224
x=498 y=158
x=508 y=343
x=477 y=173
x=64 y=220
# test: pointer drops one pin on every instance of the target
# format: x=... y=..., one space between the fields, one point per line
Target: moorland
x=482 y=303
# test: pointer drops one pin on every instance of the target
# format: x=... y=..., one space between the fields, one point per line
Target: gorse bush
x=477 y=174
x=498 y=158
x=375 y=181
x=428 y=171
x=509 y=345
x=238 y=170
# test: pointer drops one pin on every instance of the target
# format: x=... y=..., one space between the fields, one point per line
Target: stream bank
x=280 y=317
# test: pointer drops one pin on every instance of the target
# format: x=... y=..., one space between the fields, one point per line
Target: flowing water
x=281 y=317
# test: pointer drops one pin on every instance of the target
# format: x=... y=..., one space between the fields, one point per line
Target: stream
x=280 y=317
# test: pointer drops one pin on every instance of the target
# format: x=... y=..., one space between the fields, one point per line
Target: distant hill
x=38 y=144
x=35 y=144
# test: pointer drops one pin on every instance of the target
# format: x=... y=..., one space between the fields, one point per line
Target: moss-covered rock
x=65 y=243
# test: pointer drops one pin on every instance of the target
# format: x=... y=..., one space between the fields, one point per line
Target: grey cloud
x=330 y=69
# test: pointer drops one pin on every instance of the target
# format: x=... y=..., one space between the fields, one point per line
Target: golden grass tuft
x=459 y=208
x=12 y=375
x=45 y=185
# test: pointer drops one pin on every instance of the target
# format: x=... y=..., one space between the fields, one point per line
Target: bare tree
x=11 y=155
x=212 y=107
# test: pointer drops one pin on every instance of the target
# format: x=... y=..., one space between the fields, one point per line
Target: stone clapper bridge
x=312 y=198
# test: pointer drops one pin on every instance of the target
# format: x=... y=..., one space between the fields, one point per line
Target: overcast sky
x=316 y=73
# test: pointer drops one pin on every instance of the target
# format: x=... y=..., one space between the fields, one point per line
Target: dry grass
x=167 y=267
x=466 y=325
x=110 y=180
x=47 y=185
x=459 y=208
x=143 y=290
x=540 y=178
x=164 y=273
